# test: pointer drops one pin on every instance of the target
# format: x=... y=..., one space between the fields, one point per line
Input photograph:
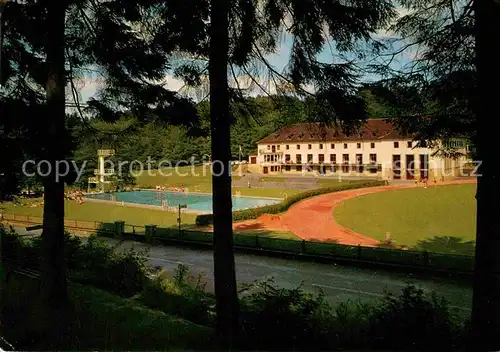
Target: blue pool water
x=196 y=202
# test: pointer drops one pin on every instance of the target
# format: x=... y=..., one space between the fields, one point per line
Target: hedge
x=453 y=262
x=249 y=214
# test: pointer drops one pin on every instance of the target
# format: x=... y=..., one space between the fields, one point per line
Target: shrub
x=248 y=214
x=283 y=319
x=416 y=320
x=123 y=273
x=290 y=319
x=22 y=252
x=93 y=262
x=183 y=295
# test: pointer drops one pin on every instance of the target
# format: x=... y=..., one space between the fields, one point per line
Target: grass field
x=435 y=218
x=199 y=179
x=99 y=321
x=102 y=212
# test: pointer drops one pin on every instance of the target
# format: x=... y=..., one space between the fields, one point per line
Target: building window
x=298 y=158
x=309 y=146
x=345 y=145
x=288 y=168
x=287 y=147
x=359 y=159
x=373 y=161
x=345 y=160
x=298 y=146
x=321 y=146
x=372 y=145
x=309 y=158
x=409 y=144
x=333 y=158
x=358 y=145
x=332 y=146
x=278 y=147
x=287 y=158
x=298 y=168
x=321 y=158
x=268 y=147
x=424 y=166
x=396 y=144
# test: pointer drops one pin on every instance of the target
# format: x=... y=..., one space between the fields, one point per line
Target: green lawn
x=435 y=218
x=99 y=321
x=102 y=212
x=199 y=179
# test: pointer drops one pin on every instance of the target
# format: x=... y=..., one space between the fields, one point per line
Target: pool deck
x=159 y=207
x=147 y=206
x=202 y=193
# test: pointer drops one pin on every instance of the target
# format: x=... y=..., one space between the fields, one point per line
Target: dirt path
x=312 y=219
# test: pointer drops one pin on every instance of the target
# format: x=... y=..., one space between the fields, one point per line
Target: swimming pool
x=194 y=201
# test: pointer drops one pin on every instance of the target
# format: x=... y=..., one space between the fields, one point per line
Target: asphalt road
x=338 y=282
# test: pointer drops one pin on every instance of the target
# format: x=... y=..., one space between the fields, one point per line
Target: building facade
x=376 y=150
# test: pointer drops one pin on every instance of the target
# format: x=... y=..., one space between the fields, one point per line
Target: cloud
x=386 y=33
x=89 y=86
x=253 y=86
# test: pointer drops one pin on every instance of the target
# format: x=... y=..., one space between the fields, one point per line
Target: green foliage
x=182 y=295
x=272 y=318
x=431 y=96
x=283 y=319
x=407 y=319
x=247 y=214
x=98 y=321
x=290 y=319
x=93 y=262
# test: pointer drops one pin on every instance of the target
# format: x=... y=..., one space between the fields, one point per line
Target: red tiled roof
x=375 y=129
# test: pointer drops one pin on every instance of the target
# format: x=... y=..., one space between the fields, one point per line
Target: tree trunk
x=224 y=267
x=54 y=280
x=486 y=299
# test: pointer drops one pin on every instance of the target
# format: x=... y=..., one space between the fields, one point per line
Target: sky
x=89 y=86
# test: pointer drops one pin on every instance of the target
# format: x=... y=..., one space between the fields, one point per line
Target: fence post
x=359 y=251
x=426 y=258
x=303 y=246
x=119 y=228
x=150 y=232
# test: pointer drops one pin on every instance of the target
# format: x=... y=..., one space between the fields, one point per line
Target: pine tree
x=235 y=36
x=48 y=47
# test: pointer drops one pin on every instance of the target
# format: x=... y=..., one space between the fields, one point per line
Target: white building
x=376 y=150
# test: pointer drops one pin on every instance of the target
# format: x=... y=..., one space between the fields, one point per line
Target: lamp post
x=2 y=6
x=181 y=206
